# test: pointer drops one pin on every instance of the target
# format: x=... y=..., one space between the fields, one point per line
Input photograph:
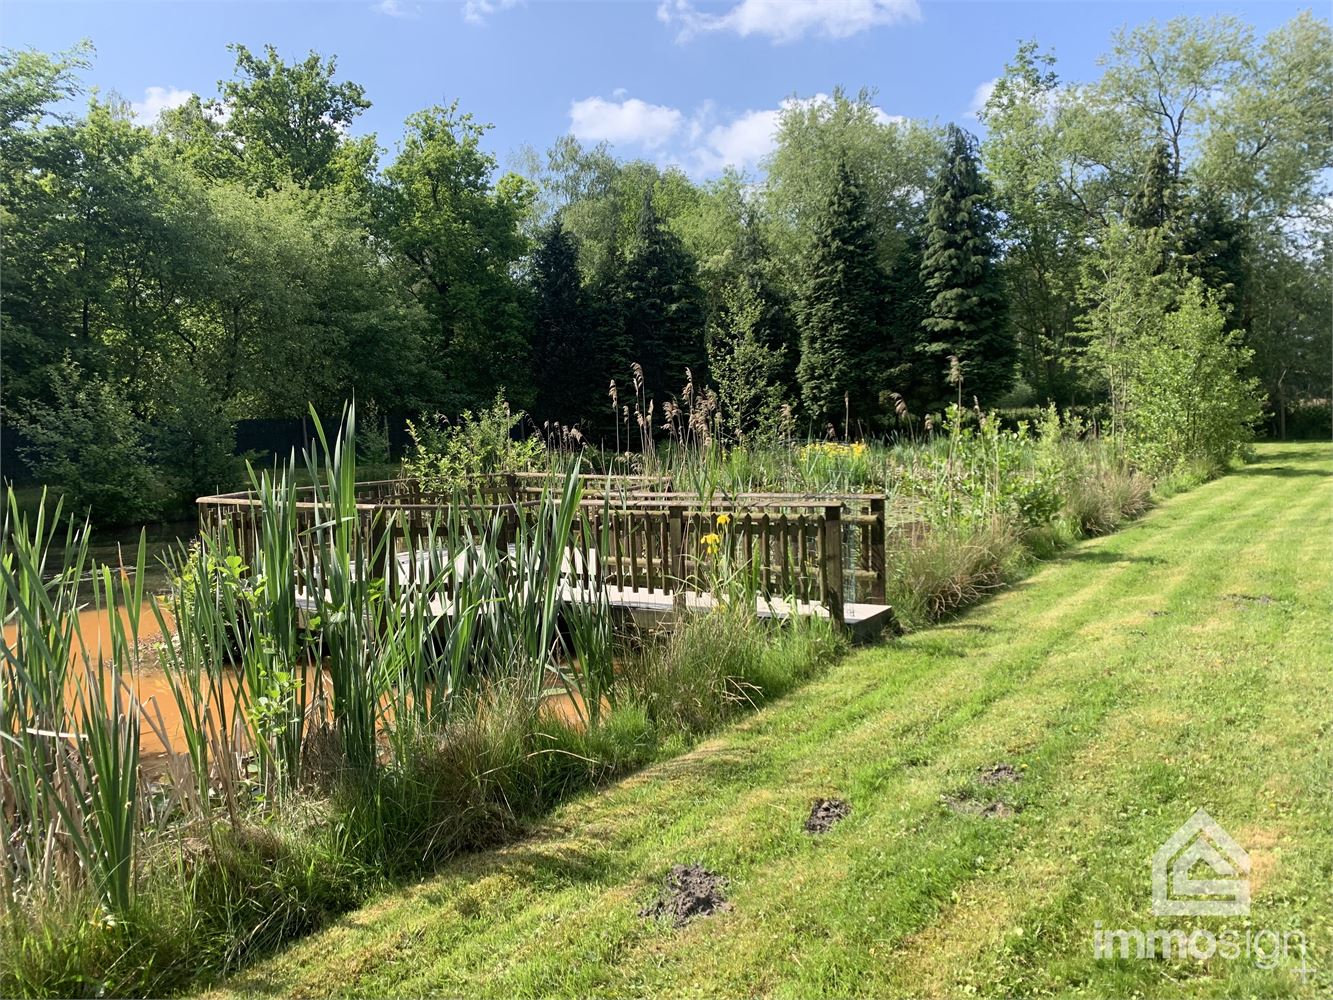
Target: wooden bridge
x=651 y=549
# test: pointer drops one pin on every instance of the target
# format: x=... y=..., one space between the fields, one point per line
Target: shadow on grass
x=1286 y=471
x=551 y=867
x=1106 y=558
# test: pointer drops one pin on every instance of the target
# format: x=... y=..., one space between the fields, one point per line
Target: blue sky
x=673 y=80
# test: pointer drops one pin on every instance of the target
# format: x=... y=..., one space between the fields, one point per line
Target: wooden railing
x=633 y=535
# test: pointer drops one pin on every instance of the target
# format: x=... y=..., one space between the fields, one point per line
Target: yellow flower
x=723 y=520
x=712 y=541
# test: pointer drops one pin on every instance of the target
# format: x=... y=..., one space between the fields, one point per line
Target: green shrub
x=194 y=441
x=88 y=445
x=1187 y=401
x=445 y=455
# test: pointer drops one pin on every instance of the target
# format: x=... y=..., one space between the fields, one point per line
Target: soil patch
x=1000 y=774
x=825 y=814
x=689 y=891
x=1248 y=599
x=965 y=806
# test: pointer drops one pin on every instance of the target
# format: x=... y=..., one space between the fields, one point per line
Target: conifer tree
x=752 y=345
x=566 y=359
x=1153 y=203
x=841 y=304
x=967 y=314
x=663 y=307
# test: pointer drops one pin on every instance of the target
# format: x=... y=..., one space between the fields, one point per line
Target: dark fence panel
x=276 y=437
x=12 y=466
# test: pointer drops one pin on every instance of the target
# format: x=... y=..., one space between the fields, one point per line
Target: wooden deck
x=650 y=550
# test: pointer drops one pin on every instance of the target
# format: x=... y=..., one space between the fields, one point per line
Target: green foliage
x=447 y=454
x=1188 y=400
x=891 y=160
x=457 y=233
x=981 y=474
x=967 y=315
x=570 y=366
x=1045 y=219
x=664 y=318
x=839 y=309
x=747 y=371
x=287 y=122
x=194 y=440
x=88 y=445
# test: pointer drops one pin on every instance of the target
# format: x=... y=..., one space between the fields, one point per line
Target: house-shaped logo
x=1176 y=893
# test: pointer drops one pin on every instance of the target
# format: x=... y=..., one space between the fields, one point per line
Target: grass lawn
x=1183 y=662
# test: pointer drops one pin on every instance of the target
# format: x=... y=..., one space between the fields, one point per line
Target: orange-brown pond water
x=152 y=689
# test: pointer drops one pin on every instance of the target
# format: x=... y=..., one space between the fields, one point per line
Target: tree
x=289 y=122
x=1188 y=399
x=1213 y=245
x=88 y=446
x=747 y=370
x=890 y=158
x=1048 y=205
x=664 y=317
x=752 y=341
x=459 y=237
x=840 y=309
x=1153 y=204
x=1126 y=291
x=569 y=372
x=1287 y=331
x=967 y=315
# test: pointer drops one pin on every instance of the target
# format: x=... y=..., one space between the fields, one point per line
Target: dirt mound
x=1000 y=774
x=689 y=891
x=825 y=814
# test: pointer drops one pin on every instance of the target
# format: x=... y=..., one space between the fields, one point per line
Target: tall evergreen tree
x=967 y=314
x=752 y=346
x=1214 y=246
x=664 y=314
x=1153 y=203
x=754 y=301
x=904 y=369
x=841 y=304
x=567 y=367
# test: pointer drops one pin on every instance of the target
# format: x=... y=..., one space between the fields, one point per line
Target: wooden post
x=676 y=554
x=833 y=563
x=879 y=586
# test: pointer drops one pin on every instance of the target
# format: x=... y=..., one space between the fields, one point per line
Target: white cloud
x=395 y=8
x=476 y=11
x=698 y=142
x=629 y=121
x=788 y=20
x=980 y=96
x=741 y=143
x=155 y=101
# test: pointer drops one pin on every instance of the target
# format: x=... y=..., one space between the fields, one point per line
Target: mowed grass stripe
x=1037 y=675
x=989 y=933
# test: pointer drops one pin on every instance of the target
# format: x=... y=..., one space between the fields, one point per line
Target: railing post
x=879 y=587
x=382 y=545
x=676 y=557
x=833 y=563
